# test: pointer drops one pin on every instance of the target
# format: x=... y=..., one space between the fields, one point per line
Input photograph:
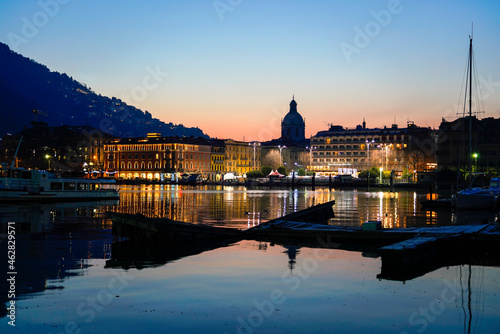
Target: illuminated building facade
x=217 y=159
x=240 y=156
x=344 y=151
x=157 y=157
x=169 y=158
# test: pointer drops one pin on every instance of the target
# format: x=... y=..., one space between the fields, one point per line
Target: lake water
x=73 y=276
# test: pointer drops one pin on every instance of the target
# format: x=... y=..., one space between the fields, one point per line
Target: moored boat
x=478 y=198
x=22 y=185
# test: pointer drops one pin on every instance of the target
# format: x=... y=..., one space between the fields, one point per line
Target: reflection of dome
x=293 y=125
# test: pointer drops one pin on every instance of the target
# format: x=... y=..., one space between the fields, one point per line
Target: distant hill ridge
x=26 y=85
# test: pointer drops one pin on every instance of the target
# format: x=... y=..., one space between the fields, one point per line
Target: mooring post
x=314 y=182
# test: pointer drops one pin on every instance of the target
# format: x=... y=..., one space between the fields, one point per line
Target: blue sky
x=233 y=65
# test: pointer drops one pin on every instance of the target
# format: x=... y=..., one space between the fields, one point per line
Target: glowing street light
x=475 y=156
x=254 y=144
x=281 y=147
x=310 y=154
x=368 y=155
x=48 y=159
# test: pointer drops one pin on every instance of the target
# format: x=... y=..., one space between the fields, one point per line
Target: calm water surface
x=75 y=277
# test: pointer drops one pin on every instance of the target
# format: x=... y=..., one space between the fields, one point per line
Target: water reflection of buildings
x=52 y=241
x=215 y=205
x=242 y=208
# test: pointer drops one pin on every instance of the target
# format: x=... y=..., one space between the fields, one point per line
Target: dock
x=140 y=227
x=405 y=252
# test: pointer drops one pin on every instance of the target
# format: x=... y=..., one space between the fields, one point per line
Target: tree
x=282 y=170
x=303 y=159
x=266 y=170
x=301 y=172
x=272 y=158
x=415 y=159
x=253 y=174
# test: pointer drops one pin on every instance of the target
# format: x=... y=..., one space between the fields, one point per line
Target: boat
x=478 y=198
x=31 y=185
x=138 y=226
x=308 y=225
x=191 y=179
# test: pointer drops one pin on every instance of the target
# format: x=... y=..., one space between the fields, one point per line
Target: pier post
x=313 y=183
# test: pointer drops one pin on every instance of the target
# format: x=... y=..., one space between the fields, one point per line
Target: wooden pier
x=137 y=226
x=405 y=252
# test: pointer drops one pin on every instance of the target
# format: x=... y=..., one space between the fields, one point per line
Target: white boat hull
x=54 y=196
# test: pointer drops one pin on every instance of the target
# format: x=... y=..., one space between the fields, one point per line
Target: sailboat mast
x=470 y=106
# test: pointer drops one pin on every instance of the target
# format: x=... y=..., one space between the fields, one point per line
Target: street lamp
x=254 y=144
x=368 y=155
x=281 y=155
x=475 y=156
x=310 y=154
x=381 y=169
x=48 y=159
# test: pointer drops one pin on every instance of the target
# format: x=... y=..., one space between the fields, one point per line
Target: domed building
x=292 y=145
x=293 y=125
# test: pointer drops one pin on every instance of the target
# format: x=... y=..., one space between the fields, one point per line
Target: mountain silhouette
x=26 y=85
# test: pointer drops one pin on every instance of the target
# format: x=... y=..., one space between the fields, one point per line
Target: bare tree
x=272 y=159
x=303 y=159
x=415 y=159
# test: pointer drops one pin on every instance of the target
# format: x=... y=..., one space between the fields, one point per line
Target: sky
x=231 y=67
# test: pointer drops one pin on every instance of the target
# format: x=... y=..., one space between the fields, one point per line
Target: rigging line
x=462 y=298
x=465 y=85
x=480 y=297
x=469 y=298
x=479 y=100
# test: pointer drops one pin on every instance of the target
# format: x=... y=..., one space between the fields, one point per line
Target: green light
x=475 y=155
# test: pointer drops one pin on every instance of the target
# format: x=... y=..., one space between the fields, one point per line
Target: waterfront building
x=217 y=159
x=240 y=158
x=347 y=151
x=158 y=158
x=453 y=151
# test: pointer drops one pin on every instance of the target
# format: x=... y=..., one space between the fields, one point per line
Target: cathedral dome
x=293 y=125
x=293 y=117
